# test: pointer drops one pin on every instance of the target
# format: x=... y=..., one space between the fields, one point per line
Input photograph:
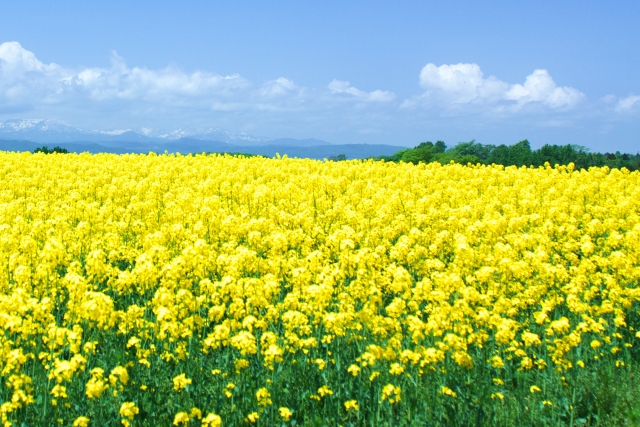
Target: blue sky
x=345 y=71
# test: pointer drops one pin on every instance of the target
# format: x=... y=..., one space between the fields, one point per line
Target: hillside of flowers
x=169 y=290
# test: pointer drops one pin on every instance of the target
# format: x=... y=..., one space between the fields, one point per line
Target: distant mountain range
x=26 y=135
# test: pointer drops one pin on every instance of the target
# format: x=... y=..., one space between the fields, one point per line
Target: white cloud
x=136 y=83
x=457 y=84
x=122 y=96
x=28 y=84
x=278 y=87
x=462 y=83
x=540 y=87
x=340 y=87
x=628 y=104
x=24 y=80
x=15 y=61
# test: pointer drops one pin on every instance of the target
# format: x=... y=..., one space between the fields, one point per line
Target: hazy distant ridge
x=187 y=145
x=27 y=135
x=54 y=131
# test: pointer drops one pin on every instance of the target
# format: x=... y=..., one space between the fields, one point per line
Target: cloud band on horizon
x=29 y=85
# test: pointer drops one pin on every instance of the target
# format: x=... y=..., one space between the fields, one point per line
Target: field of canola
x=160 y=290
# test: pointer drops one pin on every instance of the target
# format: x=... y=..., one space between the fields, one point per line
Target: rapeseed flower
x=81 y=421
x=285 y=413
x=161 y=263
x=181 y=382
x=212 y=420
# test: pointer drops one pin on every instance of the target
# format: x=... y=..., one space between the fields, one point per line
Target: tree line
x=46 y=150
x=519 y=154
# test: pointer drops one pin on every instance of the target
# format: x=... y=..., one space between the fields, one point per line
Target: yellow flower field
x=215 y=290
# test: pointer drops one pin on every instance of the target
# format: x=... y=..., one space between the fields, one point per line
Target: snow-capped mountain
x=37 y=129
x=206 y=134
x=27 y=135
x=54 y=131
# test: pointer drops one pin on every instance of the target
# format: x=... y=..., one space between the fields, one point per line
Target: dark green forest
x=46 y=150
x=519 y=154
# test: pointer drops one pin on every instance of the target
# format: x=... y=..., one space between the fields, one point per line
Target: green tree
x=519 y=154
x=44 y=149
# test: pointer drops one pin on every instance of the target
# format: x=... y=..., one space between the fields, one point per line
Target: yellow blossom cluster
x=125 y=279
